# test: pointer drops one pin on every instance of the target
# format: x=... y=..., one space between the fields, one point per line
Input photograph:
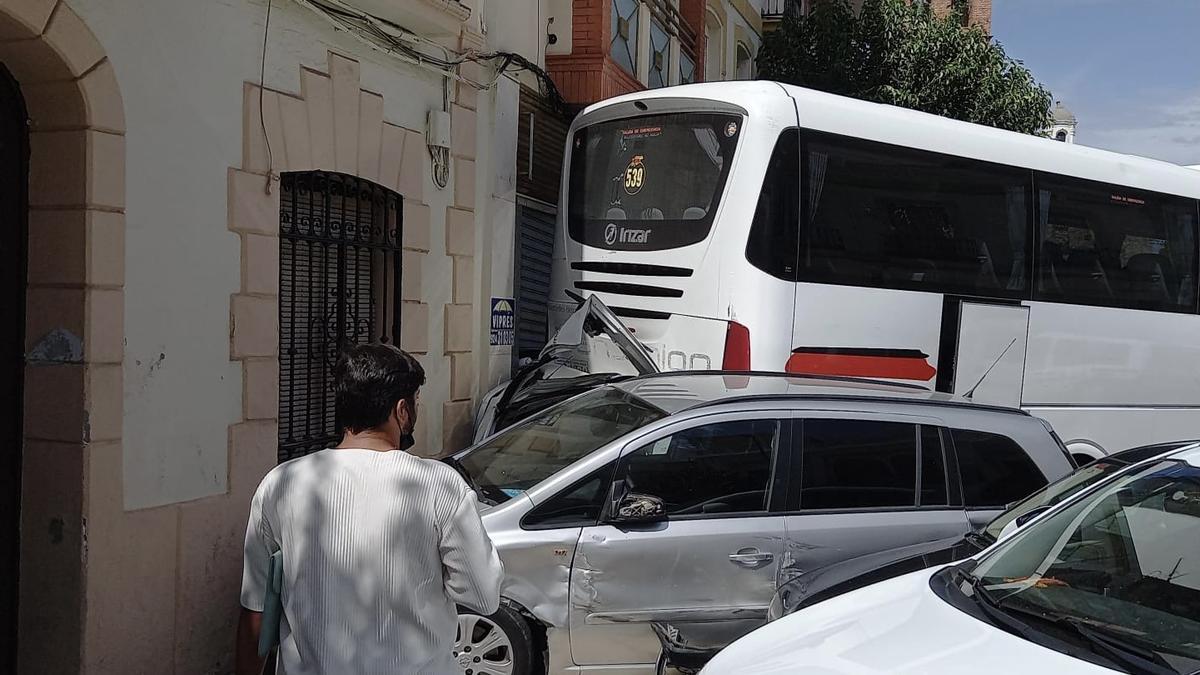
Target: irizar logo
x=625 y=235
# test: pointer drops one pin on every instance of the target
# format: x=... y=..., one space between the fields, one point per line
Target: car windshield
x=523 y=456
x=1054 y=493
x=1122 y=563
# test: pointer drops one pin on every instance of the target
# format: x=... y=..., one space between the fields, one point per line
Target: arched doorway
x=61 y=264
x=744 y=62
x=14 y=162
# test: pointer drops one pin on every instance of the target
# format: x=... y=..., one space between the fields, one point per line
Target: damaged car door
x=688 y=538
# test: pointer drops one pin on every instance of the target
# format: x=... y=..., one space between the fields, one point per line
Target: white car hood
x=896 y=626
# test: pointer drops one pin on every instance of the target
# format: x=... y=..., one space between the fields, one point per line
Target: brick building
x=611 y=47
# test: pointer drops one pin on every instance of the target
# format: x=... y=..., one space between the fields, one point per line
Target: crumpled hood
x=896 y=626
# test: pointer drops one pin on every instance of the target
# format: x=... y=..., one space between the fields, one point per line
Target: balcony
x=775 y=10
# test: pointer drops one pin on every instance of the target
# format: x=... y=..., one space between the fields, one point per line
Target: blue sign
x=504 y=322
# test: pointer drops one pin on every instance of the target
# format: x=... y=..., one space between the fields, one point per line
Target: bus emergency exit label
x=503 y=322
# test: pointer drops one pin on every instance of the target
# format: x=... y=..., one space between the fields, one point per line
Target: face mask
x=407 y=441
x=406 y=437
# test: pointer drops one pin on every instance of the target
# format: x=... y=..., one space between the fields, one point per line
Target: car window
x=715 y=468
x=995 y=470
x=933 y=468
x=1135 y=455
x=849 y=464
x=577 y=506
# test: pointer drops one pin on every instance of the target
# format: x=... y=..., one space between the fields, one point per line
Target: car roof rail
x=942 y=403
x=780 y=374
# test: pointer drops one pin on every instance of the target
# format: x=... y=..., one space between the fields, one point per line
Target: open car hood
x=586 y=331
x=592 y=348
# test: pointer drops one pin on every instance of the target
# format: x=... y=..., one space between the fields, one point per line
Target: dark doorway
x=14 y=172
x=531 y=279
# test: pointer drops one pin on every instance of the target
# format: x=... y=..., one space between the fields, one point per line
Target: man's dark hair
x=370 y=380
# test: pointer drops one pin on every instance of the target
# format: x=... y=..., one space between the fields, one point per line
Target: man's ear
x=404 y=412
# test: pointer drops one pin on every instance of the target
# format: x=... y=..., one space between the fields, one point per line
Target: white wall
x=563 y=13
x=181 y=80
x=497 y=237
x=520 y=26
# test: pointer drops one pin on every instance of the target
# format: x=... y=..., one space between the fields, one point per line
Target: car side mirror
x=638 y=508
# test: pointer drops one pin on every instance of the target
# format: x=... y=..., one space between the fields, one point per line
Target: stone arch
x=74 y=326
x=745 y=51
x=714 y=53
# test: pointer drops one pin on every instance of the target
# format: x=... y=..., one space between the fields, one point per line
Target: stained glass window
x=660 y=56
x=687 y=69
x=623 y=47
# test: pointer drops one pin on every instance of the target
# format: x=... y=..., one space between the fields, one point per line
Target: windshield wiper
x=991 y=608
x=1141 y=659
x=1114 y=649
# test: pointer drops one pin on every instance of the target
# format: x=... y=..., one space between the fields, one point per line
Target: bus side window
x=1111 y=245
x=774 y=234
x=881 y=215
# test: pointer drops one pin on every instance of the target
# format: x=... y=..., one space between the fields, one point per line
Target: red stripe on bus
x=861 y=366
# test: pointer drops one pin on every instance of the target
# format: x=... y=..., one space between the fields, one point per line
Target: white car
x=1107 y=581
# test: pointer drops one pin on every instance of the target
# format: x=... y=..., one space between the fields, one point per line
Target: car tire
x=499 y=644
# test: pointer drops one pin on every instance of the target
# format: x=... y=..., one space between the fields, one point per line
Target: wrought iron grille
x=339 y=285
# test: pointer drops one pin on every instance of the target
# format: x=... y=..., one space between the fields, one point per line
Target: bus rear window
x=651 y=182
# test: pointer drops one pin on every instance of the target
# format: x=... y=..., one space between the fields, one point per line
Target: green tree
x=901 y=53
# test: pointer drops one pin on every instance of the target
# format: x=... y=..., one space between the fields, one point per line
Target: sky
x=1128 y=69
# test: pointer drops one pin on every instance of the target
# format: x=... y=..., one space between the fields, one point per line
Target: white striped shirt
x=378 y=547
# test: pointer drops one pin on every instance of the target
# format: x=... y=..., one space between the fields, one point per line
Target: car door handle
x=751 y=558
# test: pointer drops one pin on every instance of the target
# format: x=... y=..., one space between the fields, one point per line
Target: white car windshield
x=1121 y=565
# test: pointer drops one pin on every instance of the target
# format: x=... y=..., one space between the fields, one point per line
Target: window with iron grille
x=339 y=286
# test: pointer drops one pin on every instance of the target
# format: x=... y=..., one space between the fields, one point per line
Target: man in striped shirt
x=378 y=545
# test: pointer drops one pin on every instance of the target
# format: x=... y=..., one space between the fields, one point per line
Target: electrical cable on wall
x=440 y=156
x=397 y=41
x=262 y=118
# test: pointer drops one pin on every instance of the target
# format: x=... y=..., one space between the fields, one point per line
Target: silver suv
x=671 y=507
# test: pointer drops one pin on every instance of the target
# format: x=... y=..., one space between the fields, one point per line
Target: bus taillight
x=737 y=347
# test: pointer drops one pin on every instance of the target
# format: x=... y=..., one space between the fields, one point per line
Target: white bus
x=758 y=226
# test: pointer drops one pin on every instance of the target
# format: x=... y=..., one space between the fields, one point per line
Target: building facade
x=612 y=47
x=201 y=203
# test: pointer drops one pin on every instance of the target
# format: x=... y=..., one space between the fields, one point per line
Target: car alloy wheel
x=482 y=647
